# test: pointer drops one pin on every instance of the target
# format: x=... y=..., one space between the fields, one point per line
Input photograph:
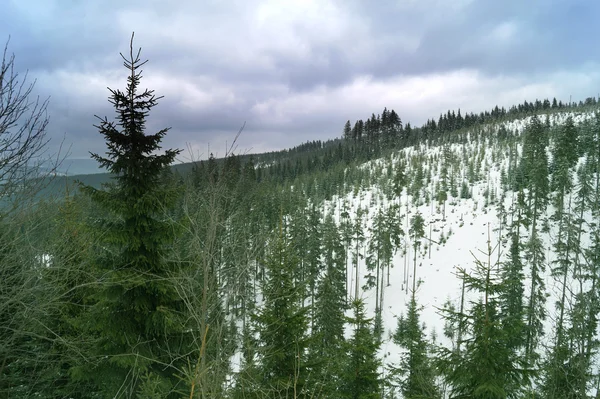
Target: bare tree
x=23 y=140
x=24 y=166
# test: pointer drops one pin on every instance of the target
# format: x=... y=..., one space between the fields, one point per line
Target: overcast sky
x=297 y=70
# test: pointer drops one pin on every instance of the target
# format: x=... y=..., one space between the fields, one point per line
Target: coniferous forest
x=458 y=259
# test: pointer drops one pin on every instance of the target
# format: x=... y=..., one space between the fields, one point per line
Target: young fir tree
x=361 y=378
x=415 y=372
x=512 y=311
x=299 y=235
x=486 y=368
x=137 y=318
x=358 y=236
x=534 y=164
x=327 y=351
x=313 y=254
x=564 y=158
x=416 y=232
x=347 y=131
x=283 y=323
x=384 y=238
x=567 y=372
x=346 y=234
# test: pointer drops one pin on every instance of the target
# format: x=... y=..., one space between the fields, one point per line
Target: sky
x=291 y=71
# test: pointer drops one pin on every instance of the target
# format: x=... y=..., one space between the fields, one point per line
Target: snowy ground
x=466 y=226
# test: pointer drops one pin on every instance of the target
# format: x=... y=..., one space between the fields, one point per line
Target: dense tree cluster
x=268 y=276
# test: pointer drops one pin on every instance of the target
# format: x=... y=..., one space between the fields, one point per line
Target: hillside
x=480 y=172
x=457 y=230
x=270 y=252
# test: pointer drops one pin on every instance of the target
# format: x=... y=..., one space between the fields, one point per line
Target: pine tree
x=567 y=370
x=416 y=232
x=361 y=378
x=535 y=168
x=486 y=367
x=347 y=131
x=328 y=334
x=564 y=158
x=346 y=232
x=415 y=372
x=358 y=236
x=384 y=238
x=137 y=316
x=512 y=311
x=283 y=323
x=313 y=254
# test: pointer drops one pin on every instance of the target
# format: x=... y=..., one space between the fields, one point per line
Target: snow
x=466 y=226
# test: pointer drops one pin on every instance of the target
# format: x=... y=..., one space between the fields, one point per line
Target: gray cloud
x=297 y=70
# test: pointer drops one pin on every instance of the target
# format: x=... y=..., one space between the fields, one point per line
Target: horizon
x=295 y=71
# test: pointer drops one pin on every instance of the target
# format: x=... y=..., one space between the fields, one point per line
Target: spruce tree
x=416 y=232
x=327 y=350
x=347 y=131
x=283 y=323
x=487 y=367
x=415 y=371
x=361 y=378
x=535 y=169
x=359 y=238
x=137 y=317
x=564 y=158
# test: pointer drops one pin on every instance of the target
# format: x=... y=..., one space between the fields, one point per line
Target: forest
x=309 y=272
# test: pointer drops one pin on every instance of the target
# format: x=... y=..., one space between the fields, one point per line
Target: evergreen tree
x=282 y=323
x=137 y=316
x=512 y=311
x=328 y=334
x=359 y=238
x=384 y=238
x=313 y=253
x=486 y=367
x=535 y=167
x=361 y=378
x=567 y=370
x=347 y=131
x=416 y=374
x=417 y=232
x=564 y=158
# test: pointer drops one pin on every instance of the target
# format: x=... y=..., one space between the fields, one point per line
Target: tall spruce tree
x=361 y=378
x=415 y=372
x=283 y=325
x=535 y=168
x=327 y=351
x=512 y=311
x=416 y=232
x=487 y=367
x=564 y=158
x=137 y=316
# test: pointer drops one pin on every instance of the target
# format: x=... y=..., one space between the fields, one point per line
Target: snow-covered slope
x=452 y=241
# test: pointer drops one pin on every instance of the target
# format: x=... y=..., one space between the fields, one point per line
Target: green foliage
x=327 y=349
x=486 y=367
x=534 y=162
x=282 y=323
x=415 y=373
x=361 y=378
x=136 y=315
x=564 y=156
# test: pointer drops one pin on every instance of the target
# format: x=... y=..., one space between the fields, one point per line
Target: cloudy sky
x=296 y=70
